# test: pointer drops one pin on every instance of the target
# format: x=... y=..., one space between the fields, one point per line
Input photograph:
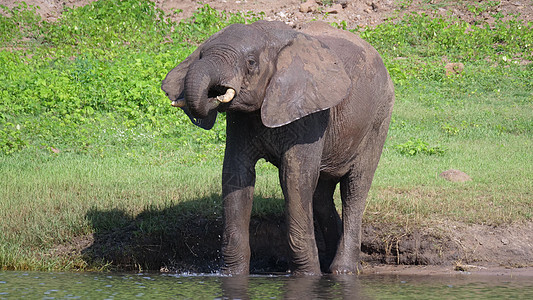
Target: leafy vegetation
x=85 y=128
x=417 y=146
x=19 y=23
x=10 y=140
x=97 y=65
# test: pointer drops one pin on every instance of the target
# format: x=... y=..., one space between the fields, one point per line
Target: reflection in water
x=39 y=285
x=235 y=287
x=326 y=287
x=297 y=287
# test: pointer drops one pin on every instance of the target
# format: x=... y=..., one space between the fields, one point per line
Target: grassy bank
x=84 y=127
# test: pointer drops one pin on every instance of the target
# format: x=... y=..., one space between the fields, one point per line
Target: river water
x=41 y=285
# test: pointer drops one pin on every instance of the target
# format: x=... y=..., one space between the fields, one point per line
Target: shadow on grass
x=185 y=237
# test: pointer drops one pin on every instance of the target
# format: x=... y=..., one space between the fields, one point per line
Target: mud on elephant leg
x=295 y=179
x=235 y=238
x=238 y=196
x=327 y=219
x=354 y=188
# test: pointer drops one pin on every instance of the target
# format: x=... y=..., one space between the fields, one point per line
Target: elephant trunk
x=203 y=89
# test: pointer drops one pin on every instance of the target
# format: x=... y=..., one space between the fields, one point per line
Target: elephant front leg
x=327 y=219
x=298 y=177
x=237 y=191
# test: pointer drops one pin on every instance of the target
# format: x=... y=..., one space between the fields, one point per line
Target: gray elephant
x=316 y=103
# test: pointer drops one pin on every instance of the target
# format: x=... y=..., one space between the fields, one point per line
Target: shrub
x=417 y=146
x=10 y=138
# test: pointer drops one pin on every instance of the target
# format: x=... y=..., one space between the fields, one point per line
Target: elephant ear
x=309 y=78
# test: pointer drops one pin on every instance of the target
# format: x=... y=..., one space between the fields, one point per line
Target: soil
x=354 y=12
x=191 y=243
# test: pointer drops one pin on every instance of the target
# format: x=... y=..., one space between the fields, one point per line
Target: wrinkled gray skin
x=316 y=103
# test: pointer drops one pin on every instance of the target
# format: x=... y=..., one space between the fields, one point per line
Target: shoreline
x=192 y=244
x=469 y=270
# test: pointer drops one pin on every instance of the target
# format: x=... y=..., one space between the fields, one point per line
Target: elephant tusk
x=227 y=97
x=178 y=103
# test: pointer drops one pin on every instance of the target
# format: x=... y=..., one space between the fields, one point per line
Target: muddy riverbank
x=191 y=243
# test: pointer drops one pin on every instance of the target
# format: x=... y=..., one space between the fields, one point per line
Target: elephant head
x=264 y=66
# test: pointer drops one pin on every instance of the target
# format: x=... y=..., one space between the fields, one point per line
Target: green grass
x=88 y=141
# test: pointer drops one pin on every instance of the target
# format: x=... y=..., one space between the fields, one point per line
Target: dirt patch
x=49 y=10
x=355 y=13
x=497 y=271
x=191 y=243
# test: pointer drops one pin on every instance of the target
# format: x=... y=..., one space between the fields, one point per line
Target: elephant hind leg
x=354 y=188
x=327 y=220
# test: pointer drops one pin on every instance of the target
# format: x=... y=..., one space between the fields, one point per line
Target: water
x=37 y=285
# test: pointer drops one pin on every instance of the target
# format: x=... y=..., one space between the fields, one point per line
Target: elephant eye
x=251 y=62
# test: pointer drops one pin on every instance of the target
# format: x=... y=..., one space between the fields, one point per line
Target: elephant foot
x=298 y=272
x=234 y=265
x=338 y=268
x=308 y=269
x=235 y=271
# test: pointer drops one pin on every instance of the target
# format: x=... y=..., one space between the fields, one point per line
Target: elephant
x=316 y=102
